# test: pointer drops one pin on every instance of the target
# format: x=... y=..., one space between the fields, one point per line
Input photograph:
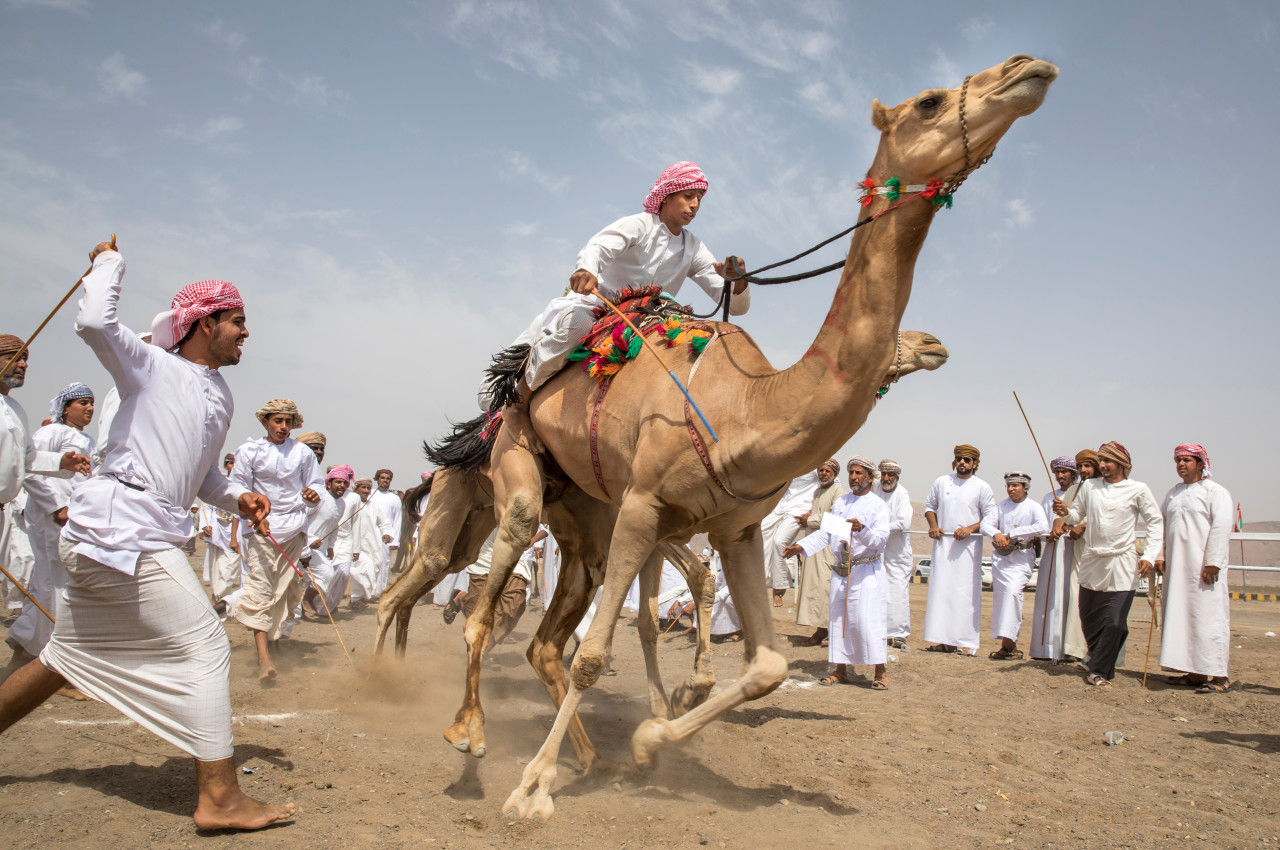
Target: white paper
x=837 y=526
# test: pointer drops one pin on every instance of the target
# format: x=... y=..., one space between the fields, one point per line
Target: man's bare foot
x=74 y=693
x=242 y=813
x=267 y=675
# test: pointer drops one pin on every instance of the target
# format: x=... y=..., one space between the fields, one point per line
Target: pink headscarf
x=190 y=305
x=1194 y=450
x=676 y=178
x=344 y=472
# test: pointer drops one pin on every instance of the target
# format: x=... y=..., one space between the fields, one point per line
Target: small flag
x=1239 y=518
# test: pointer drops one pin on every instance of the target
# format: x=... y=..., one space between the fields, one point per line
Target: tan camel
x=773 y=425
x=459 y=516
x=461 y=495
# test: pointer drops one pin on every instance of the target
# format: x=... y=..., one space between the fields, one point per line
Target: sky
x=398 y=188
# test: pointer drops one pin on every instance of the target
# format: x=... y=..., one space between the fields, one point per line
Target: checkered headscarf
x=190 y=305
x=677 y=177
x=1197 y=451
x=58 y=404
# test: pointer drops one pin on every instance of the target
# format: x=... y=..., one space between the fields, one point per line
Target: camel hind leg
x=693 y=691
x=455 y=497
x=743 y=560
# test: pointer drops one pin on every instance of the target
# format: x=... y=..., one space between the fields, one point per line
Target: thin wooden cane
x=654 y=351
x=321 y=595
x=72 y=291
x=1045 y=620
x=18 y=585
x=1151 y=630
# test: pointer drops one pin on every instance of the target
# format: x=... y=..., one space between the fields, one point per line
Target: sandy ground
x=959 y=752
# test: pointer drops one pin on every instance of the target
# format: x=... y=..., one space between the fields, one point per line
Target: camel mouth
x=1027 y=89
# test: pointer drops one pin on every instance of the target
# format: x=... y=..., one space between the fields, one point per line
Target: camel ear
x=880 y=116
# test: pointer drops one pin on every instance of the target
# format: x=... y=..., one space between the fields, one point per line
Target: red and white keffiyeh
x=190 y=305
x=1194 y=450
x=677 y=177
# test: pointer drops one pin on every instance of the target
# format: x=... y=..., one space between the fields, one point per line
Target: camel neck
x=827 y=395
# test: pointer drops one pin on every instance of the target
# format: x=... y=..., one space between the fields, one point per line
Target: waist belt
x=1017 y=544
x=842 y=568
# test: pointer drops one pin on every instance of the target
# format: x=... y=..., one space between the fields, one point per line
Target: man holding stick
x=1109 y=564
x=135 y=629
x=856 y=529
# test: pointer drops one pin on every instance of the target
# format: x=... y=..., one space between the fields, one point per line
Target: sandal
x=449 y=614
x=967 y=653
x=1214 y=688
x=815 y=639
x=831 y=679
x=898 y=643
x=879 y=685
x=1003 y=654
x=938 y=647
x=1184 y=681
x=1097 y=681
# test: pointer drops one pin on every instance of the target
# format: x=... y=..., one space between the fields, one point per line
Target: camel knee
x=767 y=671
x=521 y=517
x=587 y=668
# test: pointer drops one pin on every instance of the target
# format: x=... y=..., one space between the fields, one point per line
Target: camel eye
x=928 y=103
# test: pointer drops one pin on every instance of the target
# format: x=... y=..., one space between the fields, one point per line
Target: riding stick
x=72 y=291
x=654 y=352
x=1151 y=630
x=1049 y=584
x=18 y=585
x=321 y=595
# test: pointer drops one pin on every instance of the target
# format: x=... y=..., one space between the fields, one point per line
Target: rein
x=940 y=192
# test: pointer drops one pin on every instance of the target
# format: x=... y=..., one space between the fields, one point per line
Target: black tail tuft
x=466 y=447
x=504 y=374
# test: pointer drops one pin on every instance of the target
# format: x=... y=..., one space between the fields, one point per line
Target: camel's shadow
x=1257 y=742
x=168 y=787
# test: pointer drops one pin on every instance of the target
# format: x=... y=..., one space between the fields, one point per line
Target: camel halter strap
x=940 y=192
x=897 y=373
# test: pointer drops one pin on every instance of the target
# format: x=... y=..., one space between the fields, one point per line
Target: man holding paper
x=856 y=528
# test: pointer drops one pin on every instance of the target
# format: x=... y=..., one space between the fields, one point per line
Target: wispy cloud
x=1021 y=214
x=718 y=81
x=522 y=229
x=521 y=35
x=219 y=133
x=117 y=79
x=78 y=6
x=312 y=90
x=976 y=29
x=223 y=35
x=522 y=165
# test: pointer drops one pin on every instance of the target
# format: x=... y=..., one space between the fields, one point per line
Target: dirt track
x=959 y=752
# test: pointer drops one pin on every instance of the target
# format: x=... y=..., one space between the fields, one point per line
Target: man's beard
x=13 y=381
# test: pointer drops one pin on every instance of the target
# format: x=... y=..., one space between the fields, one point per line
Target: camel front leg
x=632 y=545
x=743 y=561
x=693 y=691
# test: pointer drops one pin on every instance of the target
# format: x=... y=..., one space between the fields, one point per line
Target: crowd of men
x=1083 y=535
x=97 y=531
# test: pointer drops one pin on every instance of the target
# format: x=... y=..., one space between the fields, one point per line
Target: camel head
x=919 y=351
x=922 y=138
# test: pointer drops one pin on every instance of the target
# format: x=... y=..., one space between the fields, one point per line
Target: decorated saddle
x=611 y=344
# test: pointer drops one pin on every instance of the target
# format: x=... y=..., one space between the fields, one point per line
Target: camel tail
x=466 y=447
x=503 y=375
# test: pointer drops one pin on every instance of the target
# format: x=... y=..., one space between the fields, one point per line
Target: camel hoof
x=479 y=751
x=511 y=815
x=649 y=737
x=463 y=746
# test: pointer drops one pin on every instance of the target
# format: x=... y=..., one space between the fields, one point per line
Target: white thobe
x=724 y=614
x=47 y=495
x=222 y=565
x=367 y=527
x=670 y=588
x=104 y=413
x=1109 y=557
x=1022 y=522
x=779 y=529
x=165 y=444
x=1196 y=632
x=1056 y=593
x=322 y=527
x=15 y=550
x=954 y=607
x=18 y=455
x=550 y=569
x=899 y=565
x=857 y=631
x=634 y=251
x=138 y=631
x=280 y=472
x=388 y=504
